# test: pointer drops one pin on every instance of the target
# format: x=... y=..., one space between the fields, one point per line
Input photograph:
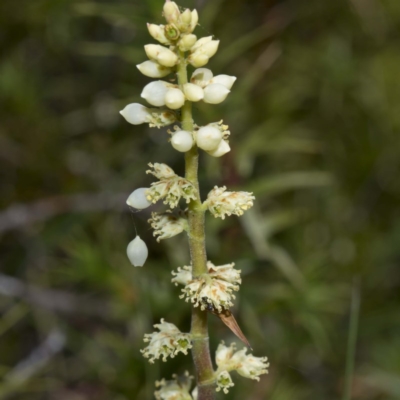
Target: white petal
x=137 y=199
x=215 y=93
x=193 y=92
x=136 y=113
x=174 y=99
x=154 y=93
x=225 y=80
x=153 y=69
x=137 y=252
x=182 y=141
x=222 y=149
x=208 y=138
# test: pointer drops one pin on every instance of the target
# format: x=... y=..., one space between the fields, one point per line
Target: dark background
x=314 y=117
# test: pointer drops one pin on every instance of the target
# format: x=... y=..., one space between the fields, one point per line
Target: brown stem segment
x=199 y=330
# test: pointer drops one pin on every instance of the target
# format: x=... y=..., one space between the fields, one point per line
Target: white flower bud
x=198 y=59
x=154 y=92
x=194 y=21
x=182 y=141
x=137 y=252
x=215 y=93
x=186 y=42
x=153 y=69
x=161 y=54
x=174 y=99
x=137 y=199
x=201 y=42
x=209 y=49
x=136 y=114
x=158 y=33
x=186 y=17
x=225 y=80
x=222 y=149
x=193 y=92
x=171 y=12
x=201 y=77
x=208 y=138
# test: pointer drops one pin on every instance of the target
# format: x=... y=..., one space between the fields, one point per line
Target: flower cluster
x=176 y=389
x=228 y=359
x=167 y=225
x=221 y=202
x=170 y=186
x=205 y=285
x=215 y=288
x=169 y=341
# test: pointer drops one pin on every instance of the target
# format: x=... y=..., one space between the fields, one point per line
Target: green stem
x=199 y=330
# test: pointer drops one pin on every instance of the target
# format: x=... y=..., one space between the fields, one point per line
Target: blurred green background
x=315 y=120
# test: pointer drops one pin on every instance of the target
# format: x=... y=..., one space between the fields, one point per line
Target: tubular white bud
x=186 y=17
x=174 y=99
x=182 y=141
x=193 y=92
x=222 y=149
x=225 y=80
x=201 y=42
x=154 y=92
x=171 y=12
x=209 y=49
x=158 y=33
x=215 y=93
x=208 y=138
x=136 y=114
x=198 y=60
x=153 y=69
x=201 y=77
x=187 y=42
x=161 y=54
x=137 y=199
x=194 y=21
x=137 y=252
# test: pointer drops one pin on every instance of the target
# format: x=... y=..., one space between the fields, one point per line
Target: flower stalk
x=209 y=288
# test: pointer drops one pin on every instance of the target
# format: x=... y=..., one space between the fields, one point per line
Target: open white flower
x=170 y=186
x=176 y=389
x=247 y=365
x=169 y=341
x=221 y=202
x=215 y=288
x=224 y=381
x=167 y=225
